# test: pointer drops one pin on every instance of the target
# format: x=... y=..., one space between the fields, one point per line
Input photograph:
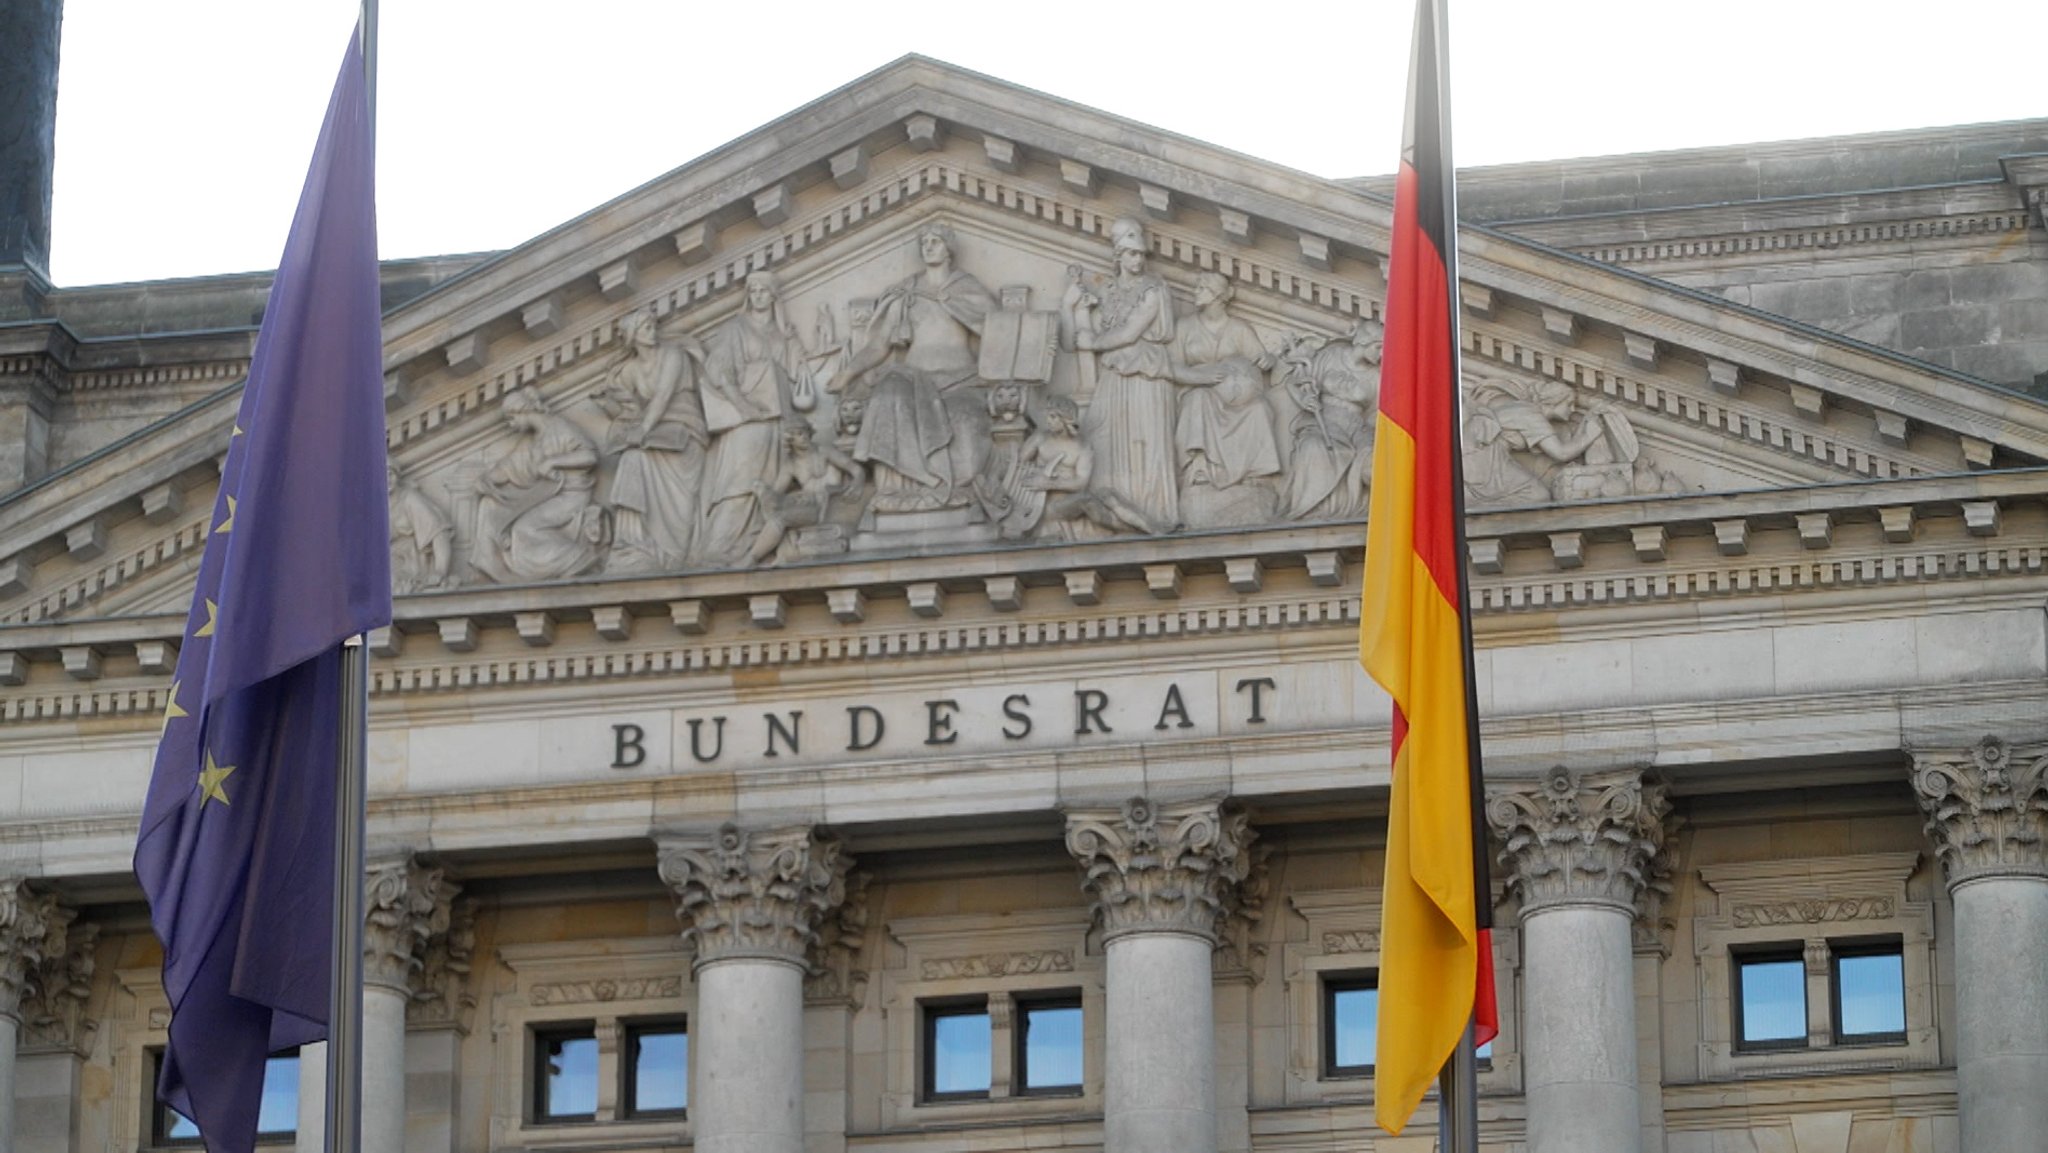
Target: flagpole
x=1458 y=1084
x=345 y=996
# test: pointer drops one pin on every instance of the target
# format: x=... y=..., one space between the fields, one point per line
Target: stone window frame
x=1006 y=958
x=1812 y=905
x=1344 y=939
x=608 y=985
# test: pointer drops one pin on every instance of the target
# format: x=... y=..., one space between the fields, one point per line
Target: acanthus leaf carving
x=1986 y=807
x=1579 y=839
x=1171 y=868
x=744 y=893
x=406 y=904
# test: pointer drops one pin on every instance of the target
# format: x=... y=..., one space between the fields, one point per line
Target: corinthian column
x=31 y=929
x=1163 y=877
x=1987 y=814
x=752 y=903
x=406 y=903
x=1578 y=851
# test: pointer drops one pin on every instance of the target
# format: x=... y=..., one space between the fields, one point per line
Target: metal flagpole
x=345 y=996
x=1458 y=1084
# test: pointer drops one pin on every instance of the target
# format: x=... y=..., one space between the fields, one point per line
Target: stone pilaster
x=762 y=908
x=1985 y=808
x=1582 y=853
x=1167 y=881
x=1173 y=868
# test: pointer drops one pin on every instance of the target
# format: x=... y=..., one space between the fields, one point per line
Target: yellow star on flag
x=171 y=710
x=237 y=432
x=210 y=780
x=212 y=618
x=227 y=525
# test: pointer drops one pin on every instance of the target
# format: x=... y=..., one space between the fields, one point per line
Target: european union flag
x=236 y=851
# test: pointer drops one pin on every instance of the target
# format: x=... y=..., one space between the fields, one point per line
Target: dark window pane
x=1773 y=999
x=568 y=1077
x=1052 y=1047
x=1356 y=1012
x=1872 y=987
x=960 y=1052
x=661 y=1069
x=279 y=1113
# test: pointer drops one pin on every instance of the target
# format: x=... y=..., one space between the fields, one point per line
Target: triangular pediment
x=1584 y=382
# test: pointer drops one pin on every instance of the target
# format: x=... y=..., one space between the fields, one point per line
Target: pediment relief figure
x=1329 y=396
x=422 y=537
x=659 y=439
x=1536 y=441
x=535 y=511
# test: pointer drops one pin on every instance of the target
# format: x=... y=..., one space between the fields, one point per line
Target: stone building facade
x=877 y=615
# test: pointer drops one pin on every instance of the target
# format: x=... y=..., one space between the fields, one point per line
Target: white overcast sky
x=184 y=126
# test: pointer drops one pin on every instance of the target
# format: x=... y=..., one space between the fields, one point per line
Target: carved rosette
x=406 y=905
x=31 y=931
x=1987 y=809
x=769 y=894
x=1163 y=868
x=1579 y=839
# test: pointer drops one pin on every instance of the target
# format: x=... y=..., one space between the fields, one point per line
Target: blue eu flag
x=236 y=851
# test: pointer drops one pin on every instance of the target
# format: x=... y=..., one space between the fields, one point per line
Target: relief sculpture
x=1535 y=441
x=536 y=513
x=658 y=434
x=945 y=414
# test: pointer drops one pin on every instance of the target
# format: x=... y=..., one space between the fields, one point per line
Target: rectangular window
x=957 y=1048
x=277 y=1118
x=1351 y=1019
x=1770 y=998
x=565 y=1074
x=657 y=1069
x=1868 y=987
x=1049 y=1045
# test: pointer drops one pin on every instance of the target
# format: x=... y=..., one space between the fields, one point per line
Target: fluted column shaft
x=1163 y=878
x=1578 y=847
x=751 y=902
x=406 y=904
x=1985 y=809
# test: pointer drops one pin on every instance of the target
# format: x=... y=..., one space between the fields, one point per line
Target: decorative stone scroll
x=1170 y=868
x=31 y=931
x=406 y=905
x=1987 y=808
x=756 y=893
x=441 y=990
x=1579 y=839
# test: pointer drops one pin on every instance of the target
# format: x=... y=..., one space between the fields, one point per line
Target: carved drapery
x=771 y=894
x=1987 y=808
x=406 y=905
x=1163 y=868
x=31 y=931
x=1579 y=839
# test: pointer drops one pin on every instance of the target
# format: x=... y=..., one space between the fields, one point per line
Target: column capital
x=755 y=893
x=1579 y=838
x=405 y=904
x=1987 y=808
x=1162 y=868
x=31 y=931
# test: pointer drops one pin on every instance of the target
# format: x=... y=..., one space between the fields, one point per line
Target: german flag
x=1436 y=954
